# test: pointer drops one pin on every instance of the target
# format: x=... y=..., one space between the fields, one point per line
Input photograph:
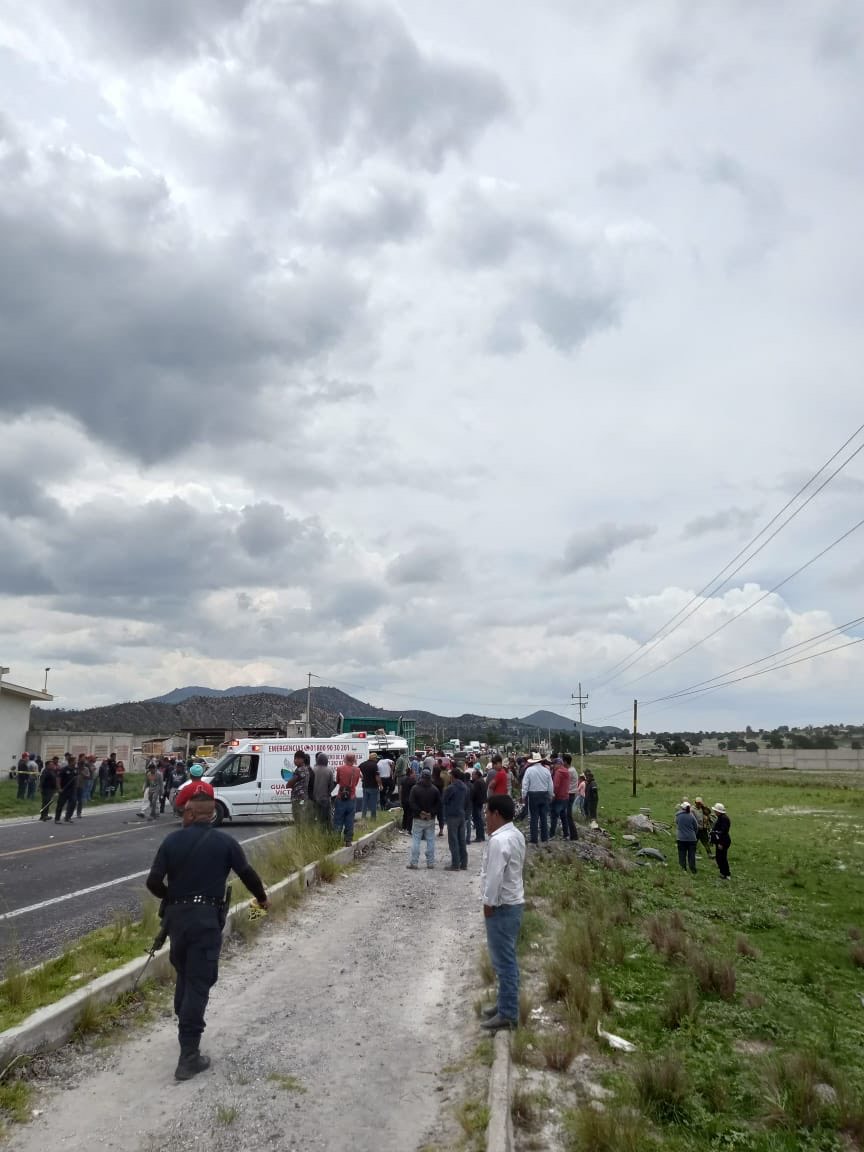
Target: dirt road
x=361 y=997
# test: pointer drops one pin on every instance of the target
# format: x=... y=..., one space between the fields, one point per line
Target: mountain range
x=249 y=707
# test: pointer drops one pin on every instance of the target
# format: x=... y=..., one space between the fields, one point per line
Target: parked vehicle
x=253 y=779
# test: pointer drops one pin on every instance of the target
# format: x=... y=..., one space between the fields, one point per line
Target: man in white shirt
x=385 y=771
x=537 y=791
x=503 y=899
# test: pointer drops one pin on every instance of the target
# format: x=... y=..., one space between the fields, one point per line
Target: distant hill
x=178 y=695
x=246 y=707
x=551 y=721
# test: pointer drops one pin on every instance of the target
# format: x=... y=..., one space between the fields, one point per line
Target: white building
x=15 y=703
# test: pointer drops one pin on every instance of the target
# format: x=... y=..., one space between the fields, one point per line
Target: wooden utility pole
x=635 y=722
x=309 y=706
x=580 y=701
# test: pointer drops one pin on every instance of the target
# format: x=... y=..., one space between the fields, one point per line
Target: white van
x=253 y=779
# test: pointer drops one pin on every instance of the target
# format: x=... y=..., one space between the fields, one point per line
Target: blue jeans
x=456 y=840
x=423 y=830
x=370 y=801
x=31 y=787
x=559 y=812
x=538 y=809
x=343 y=819
x=502 y=932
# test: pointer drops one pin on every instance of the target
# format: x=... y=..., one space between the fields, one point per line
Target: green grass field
x=742 y=998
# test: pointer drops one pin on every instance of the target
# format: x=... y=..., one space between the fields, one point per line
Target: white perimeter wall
x=801 y=759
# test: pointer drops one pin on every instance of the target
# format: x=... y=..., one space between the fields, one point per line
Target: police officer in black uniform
x=197 y=860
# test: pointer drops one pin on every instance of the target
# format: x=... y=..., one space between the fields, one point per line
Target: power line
x=752 y=663
x=662 y=634
x=749 y=607
x=762 y=672
x=700 y=686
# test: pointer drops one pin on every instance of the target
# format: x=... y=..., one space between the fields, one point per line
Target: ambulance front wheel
x=221 y=814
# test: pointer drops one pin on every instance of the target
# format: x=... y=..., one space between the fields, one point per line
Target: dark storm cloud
x=111 y=313
x=359 y=74
x=594 y=547
x=109 y=557
x=21 y=495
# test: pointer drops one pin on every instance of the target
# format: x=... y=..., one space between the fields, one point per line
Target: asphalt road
x=59 y=881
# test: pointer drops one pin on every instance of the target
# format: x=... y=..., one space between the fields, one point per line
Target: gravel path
x=359 y=995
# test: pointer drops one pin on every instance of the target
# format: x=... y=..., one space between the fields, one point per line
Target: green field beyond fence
x=744 y=1000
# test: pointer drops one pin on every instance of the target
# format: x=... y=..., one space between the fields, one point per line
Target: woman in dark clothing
x=405 y=785
x=721 y=839
x=592 y=797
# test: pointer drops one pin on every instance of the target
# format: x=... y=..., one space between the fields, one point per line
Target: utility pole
x=580 y=701
x=309 y=706
x=635 y=722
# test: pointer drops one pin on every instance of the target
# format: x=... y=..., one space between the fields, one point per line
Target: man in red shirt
x=560 y=798
x=347 y=779
x=500 y=785
x=193 y=786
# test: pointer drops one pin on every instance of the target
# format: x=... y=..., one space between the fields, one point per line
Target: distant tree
x=823 y=742
x=733 y=743
x=722 y=746
x=797 y=740
x=856 y=745
x=678 y=748
x=751 y=746
x=491 y=737
x=748 y=730
x=775 y=740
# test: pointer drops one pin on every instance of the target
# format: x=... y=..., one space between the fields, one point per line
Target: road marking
x=104 y=884
x=72 y=843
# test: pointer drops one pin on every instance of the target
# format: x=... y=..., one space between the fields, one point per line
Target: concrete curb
x=499 y=1132
x=51 y=1026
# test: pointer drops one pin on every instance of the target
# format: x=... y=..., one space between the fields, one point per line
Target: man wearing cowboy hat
x=537 y=792
x=686 y=831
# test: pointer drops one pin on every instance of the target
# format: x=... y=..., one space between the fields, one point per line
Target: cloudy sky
x=443 y=350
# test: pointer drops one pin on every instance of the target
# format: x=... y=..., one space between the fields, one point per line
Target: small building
x=15 y=701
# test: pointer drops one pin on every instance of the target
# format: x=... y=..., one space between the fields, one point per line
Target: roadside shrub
x=681 y=1003
x=794 y=1093
x=589 y=1130
x=526 y=1108
x=558 y=980
x=661 y=1087
x=668 y=936
x=715 y=977
x=744 y=948
x=559 y=1049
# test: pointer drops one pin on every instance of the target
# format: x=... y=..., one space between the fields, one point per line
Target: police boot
x=191 y=1062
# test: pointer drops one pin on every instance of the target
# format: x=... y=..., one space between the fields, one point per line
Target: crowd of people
x=69 y=784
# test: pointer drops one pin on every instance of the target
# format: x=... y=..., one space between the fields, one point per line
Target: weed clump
x=668 y=936
x=589 y=1130
x=715 y=977
x=661 y=1087
x=681 y=1004
x=559 y=1050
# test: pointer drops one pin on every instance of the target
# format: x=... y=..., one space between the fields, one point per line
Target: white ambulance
x=253 y=779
